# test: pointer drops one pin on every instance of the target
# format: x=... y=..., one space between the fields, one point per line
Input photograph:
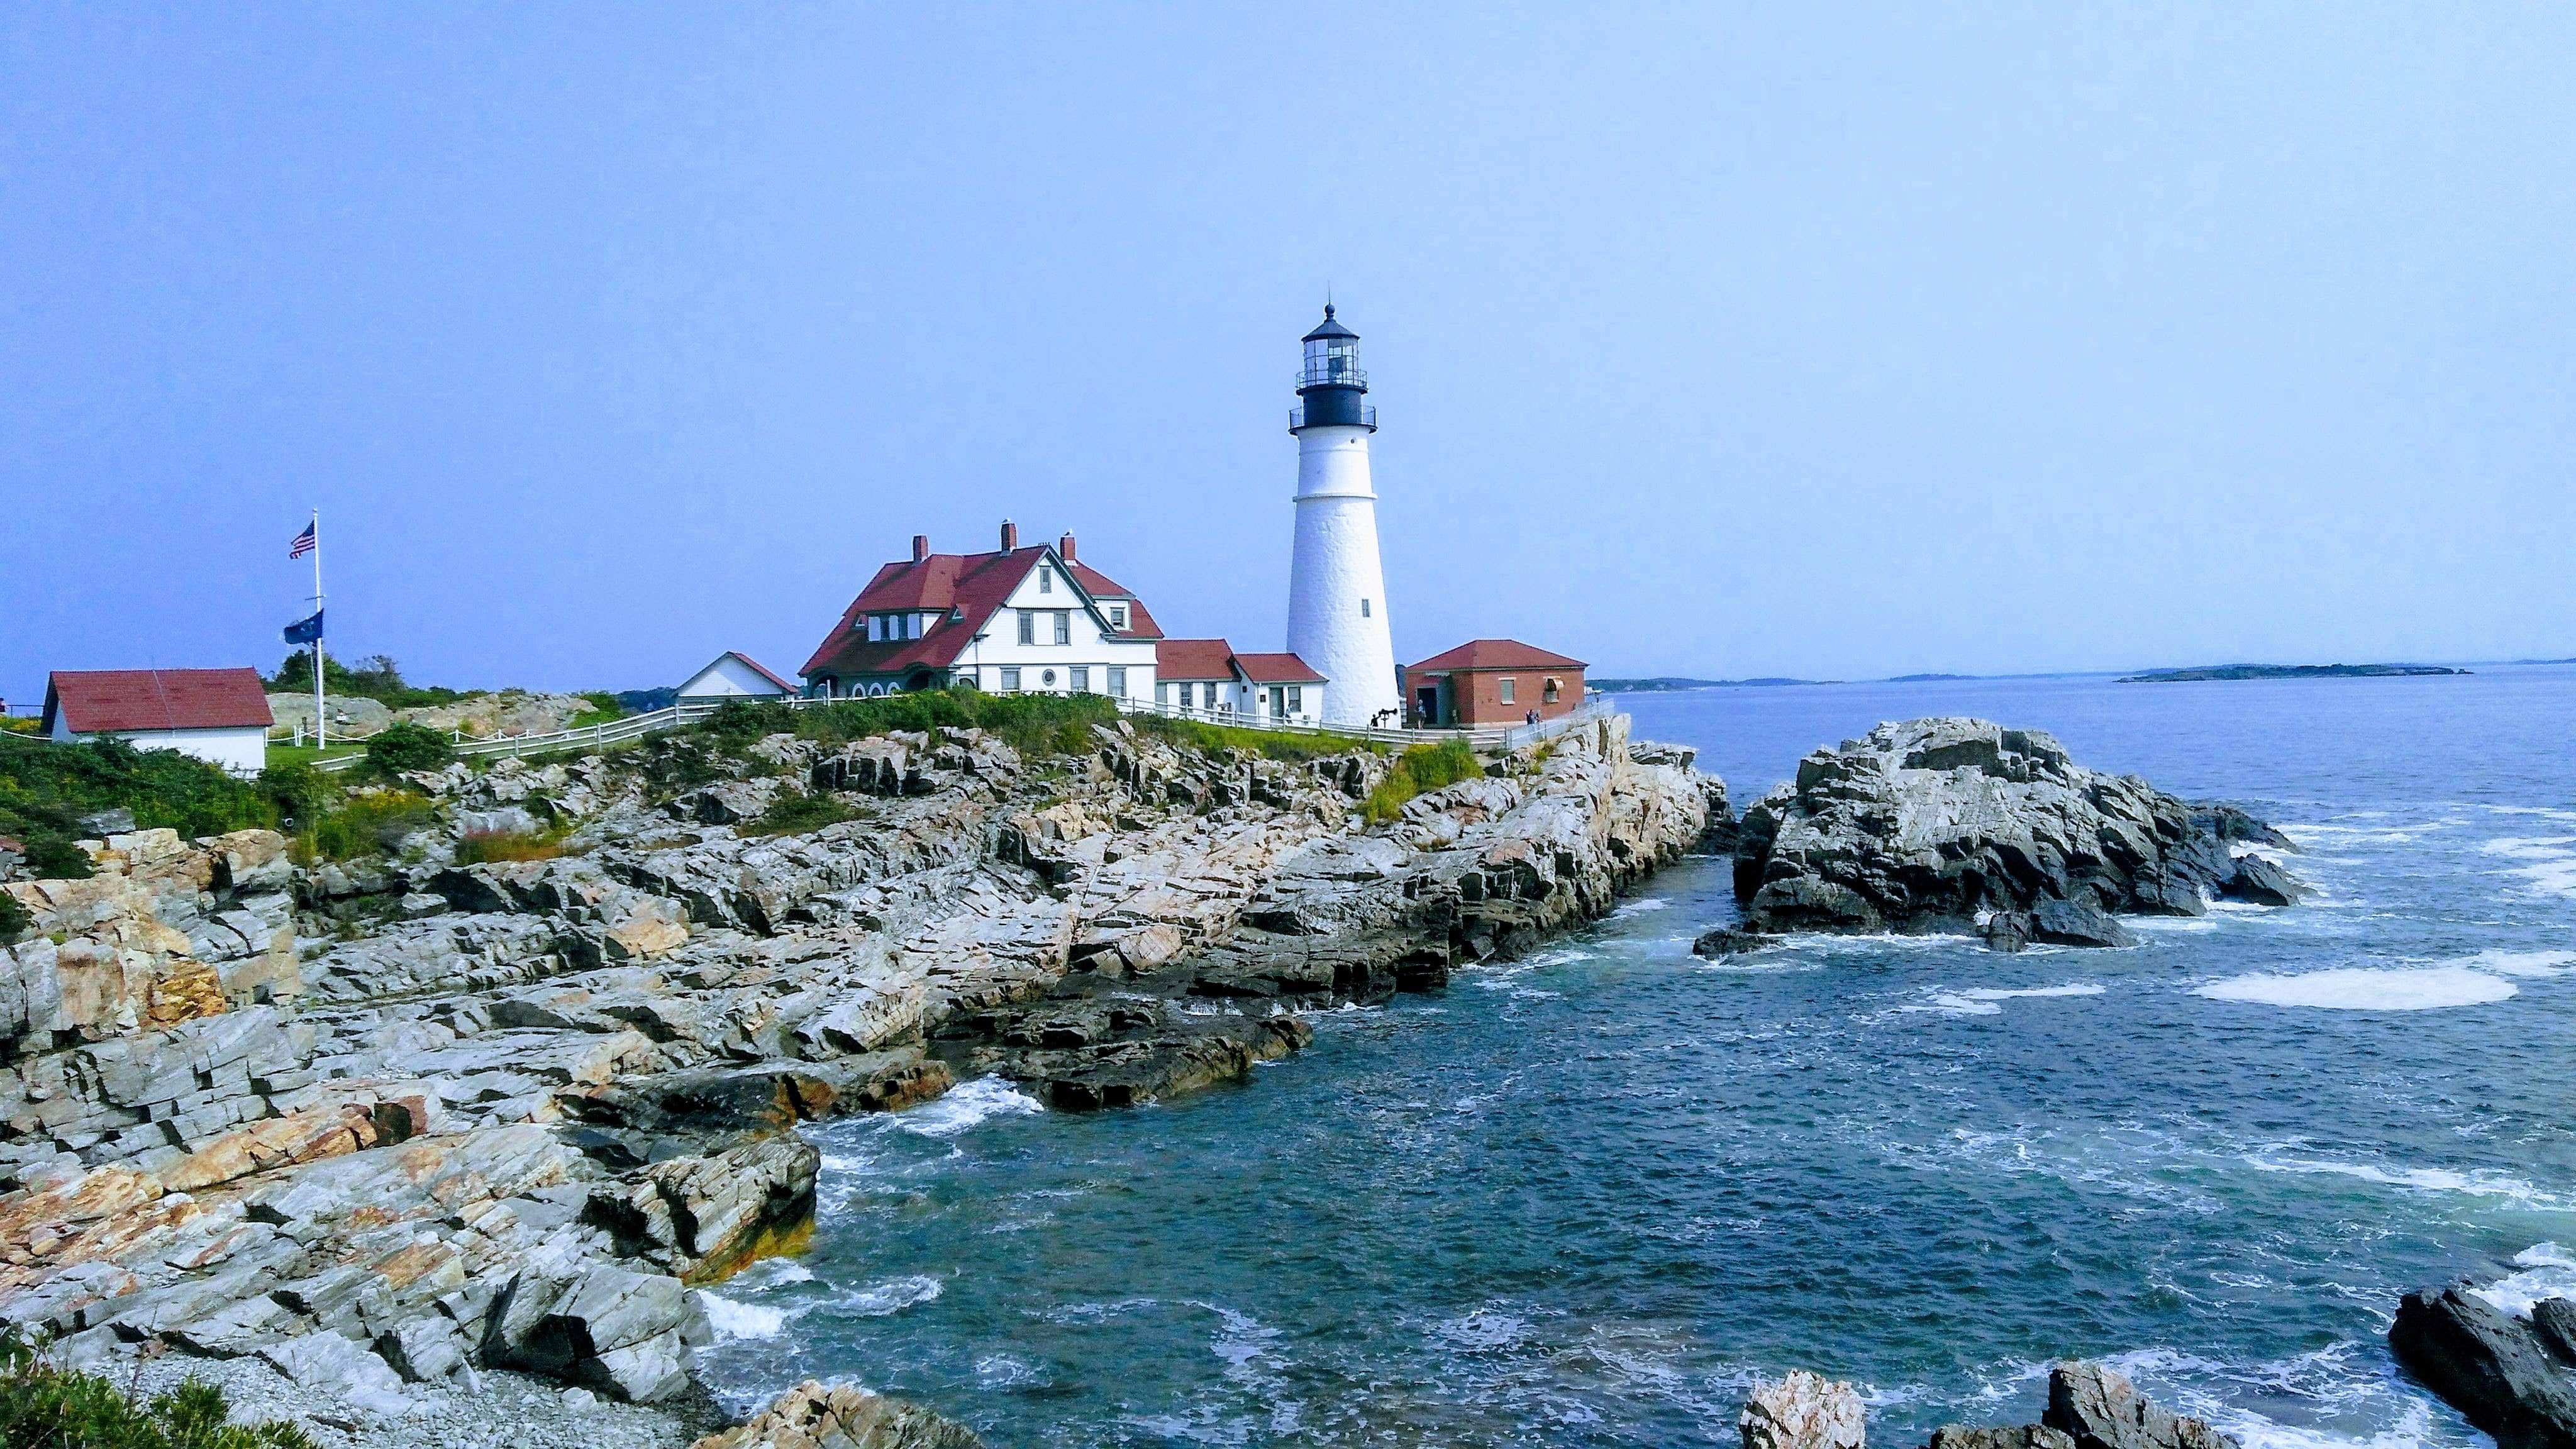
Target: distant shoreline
x=2288 y=671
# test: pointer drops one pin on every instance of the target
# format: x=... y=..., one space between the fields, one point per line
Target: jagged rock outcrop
x=841 y=1416
x=444 y=1115
x=1802 y=1411
x=2503 y=1373
x=1960 y=824
x=2091 y=1407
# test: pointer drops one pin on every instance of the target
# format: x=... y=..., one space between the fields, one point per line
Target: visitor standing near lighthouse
x=1336 y=588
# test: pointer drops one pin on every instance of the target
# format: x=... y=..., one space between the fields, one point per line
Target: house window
x=1547 y=691
x=1046 y=582
x=1064 y=626
x=1186 y=691
x=876 y=628
x=1080 y=676
x=1118 y=680
x=1504 y=688
x=1162 y=695
x=1118 y=616
x=1296 y=699
x=1028 y=626
x=1047 y=679
x=1364 y=612
x=1011 y=680
x=912 y=625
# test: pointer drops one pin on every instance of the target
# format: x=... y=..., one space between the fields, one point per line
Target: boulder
x=1727 y=941
x=2262 y=883
x=1950 y=824
x=2491 y=1367
x=2554 y=1319
x=2018 y=1436
x=843 y=1416
x=1802 y=1411
x=2099 y=1408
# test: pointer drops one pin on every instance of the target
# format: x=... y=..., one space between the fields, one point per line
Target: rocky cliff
x=1960 y=824
x=416 y=1115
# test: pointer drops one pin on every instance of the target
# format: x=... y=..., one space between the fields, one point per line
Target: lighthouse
x=1336 y=590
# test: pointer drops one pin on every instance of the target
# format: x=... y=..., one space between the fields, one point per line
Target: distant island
x=2287 y=671
x=1926 y=678
x=1663 y=683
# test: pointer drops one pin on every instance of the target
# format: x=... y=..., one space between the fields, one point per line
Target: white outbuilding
x=734 y=675
x=218 y=715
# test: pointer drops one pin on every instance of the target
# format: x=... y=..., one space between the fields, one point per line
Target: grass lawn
x=279 y=754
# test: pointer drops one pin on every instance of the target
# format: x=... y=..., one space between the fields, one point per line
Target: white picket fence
x=652 y=722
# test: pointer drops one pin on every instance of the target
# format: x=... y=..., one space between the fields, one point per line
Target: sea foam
x=1987 y=1000
x=733 y=1320
x=2359 y=988
x=976 y=1102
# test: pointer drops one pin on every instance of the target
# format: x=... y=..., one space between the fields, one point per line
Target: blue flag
x=305 y=631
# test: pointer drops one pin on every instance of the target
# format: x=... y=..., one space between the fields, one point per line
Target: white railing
x=687 y=712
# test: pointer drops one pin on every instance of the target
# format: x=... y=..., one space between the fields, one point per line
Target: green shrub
x=478 y=846
x=1418 y=770
x=1034 y=724
x=45 y=1407
x=367 y=825
x=300 y=792
x=800 y=814
x=403 y=747
x=14 y=919
x=1273 y=744
x=377 y=678
x=47 y=789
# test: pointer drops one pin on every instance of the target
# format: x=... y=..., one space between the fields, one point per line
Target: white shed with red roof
x=1207 y=677
x=218 y=715
x=735 y=675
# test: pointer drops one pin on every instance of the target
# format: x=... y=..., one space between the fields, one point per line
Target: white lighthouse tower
x=1336 y=590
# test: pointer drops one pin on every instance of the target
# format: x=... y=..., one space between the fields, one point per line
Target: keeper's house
x=1206 y=677
x=1491 y=682
x=218 y=715
x=1031 y=620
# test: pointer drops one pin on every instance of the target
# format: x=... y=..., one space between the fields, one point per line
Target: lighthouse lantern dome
x=1332 y=357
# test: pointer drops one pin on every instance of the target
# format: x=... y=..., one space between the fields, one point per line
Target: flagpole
x=321 y=720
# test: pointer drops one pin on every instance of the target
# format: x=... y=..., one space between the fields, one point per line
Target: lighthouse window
x=1364 y=608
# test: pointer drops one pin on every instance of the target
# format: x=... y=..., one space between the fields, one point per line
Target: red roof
x=91 y=701
x=970 y=586
x=1193 y=659
x=1498 y=654
x=1276 y=669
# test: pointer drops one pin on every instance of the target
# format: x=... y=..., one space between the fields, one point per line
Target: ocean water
x=1588 y=1197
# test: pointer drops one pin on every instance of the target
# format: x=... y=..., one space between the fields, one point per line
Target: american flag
x=303 y=542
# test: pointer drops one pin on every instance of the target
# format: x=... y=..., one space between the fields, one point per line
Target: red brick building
x=1491 y=682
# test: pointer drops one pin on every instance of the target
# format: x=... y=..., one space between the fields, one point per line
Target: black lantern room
x=1331 y=383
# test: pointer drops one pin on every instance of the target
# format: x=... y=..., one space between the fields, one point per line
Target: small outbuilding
x=1206 y=676
x=735 y=675
x=1491 y=682
x=220 y=716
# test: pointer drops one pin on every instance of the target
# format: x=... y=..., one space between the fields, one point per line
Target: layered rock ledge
x=1967 y=826
x=2090 y=1406
x=399 y=1120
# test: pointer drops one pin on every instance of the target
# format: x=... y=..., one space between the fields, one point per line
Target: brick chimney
x=1064 y=548
x=920 y=548
x=1010 y=535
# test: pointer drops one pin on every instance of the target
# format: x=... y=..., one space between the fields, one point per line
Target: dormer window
x=1118 y=616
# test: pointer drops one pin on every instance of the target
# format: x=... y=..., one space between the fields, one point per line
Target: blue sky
x=1824 y=341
